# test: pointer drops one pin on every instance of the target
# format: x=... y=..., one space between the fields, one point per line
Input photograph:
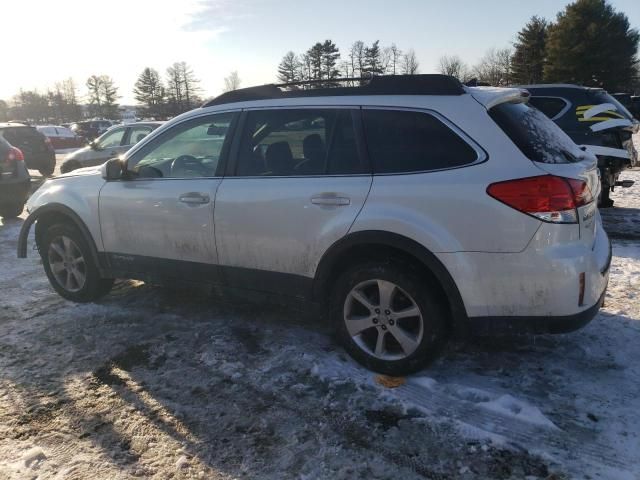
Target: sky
x=47 y=41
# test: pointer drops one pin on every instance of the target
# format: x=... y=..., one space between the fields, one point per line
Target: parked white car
x=409 y=209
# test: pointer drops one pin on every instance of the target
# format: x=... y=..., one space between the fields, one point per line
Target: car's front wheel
x=69 y=265
x=388 y=317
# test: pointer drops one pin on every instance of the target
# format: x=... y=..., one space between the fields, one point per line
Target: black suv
x=14 y=180
x=36 y=148
x=597 y=122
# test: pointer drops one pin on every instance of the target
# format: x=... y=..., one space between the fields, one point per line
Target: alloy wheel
x=383 y=319
x=67 y=263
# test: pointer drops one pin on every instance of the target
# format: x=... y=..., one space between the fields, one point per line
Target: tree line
x=590 y=44
x=323 y=63
x=178 y=92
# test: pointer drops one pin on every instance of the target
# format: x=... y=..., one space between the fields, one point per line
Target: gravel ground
x=176 y=383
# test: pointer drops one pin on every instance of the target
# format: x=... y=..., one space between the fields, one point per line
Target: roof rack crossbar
x=430 y=84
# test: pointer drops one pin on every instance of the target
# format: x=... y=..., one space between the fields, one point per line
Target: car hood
x=81 y=172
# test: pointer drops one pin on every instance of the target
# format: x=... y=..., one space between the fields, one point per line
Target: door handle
x=331 y=200
x=194 y=198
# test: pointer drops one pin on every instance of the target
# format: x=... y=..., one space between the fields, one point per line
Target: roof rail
x=430 y=84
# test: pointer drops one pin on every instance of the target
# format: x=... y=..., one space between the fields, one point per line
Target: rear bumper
x=537 y=290
x=534 y=325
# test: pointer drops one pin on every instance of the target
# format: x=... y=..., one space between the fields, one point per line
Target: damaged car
x=597 y=122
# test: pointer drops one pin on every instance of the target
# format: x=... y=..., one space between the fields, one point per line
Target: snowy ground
x=160 y=383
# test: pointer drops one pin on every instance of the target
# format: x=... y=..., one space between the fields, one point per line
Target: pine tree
x=330 y=56
x=109 y=94
x=314 y=55
x=528 y=58
x=149 y=92
x=592 y=44
x=372 y=60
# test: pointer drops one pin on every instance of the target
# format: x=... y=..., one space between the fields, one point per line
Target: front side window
x=190 y=149
x=137 y=133
x=111 y=139
x=550 y=106
x=299 y=142
x=401 y=141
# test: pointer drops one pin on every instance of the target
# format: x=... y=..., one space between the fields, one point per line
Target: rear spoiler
x=489 y=97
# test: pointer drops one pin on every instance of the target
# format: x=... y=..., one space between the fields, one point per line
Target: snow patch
x=513 y=407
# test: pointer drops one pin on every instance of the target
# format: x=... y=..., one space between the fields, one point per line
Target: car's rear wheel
x=11 y=210
x=69 y=265
x=387 y=317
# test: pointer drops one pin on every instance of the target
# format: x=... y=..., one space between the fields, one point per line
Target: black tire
x=605 y=198
x=11 y=210
x=49 y=169
x=420 y=291
x=94 y=285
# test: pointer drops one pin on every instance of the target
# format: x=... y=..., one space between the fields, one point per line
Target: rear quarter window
x=550 y=106
x=537 y=137
x=401 y=141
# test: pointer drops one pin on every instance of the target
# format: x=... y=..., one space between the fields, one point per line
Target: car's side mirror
x=112 y=169
x=94 y=145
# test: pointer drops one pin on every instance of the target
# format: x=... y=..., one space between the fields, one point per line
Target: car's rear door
x=297 y=185
x=158 y=220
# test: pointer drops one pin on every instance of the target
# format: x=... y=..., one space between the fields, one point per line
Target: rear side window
x=535 y=134
x=405 y=141
x=299 y=142
x=551 y=107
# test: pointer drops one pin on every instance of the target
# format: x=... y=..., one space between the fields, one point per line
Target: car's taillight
x=16 y=154
x=47 y=141
x=547 y=197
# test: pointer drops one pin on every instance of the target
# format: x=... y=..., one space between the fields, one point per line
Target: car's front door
x=298 y=183
x=158 y=219
x=107 y=146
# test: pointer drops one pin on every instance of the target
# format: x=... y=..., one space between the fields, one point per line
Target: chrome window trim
x=567 y=105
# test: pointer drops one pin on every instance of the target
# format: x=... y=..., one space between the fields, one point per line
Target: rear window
x=400 y=141
x=551 y=107
x=534 y=134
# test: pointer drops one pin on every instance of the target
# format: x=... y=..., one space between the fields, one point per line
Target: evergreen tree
x=109 y=95
x=527 y=62
x=314 y=55
x=592 y=44
x=149 y=92
x=330 y=56
x=373 y=60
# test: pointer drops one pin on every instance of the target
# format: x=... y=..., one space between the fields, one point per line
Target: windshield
x=534 y=134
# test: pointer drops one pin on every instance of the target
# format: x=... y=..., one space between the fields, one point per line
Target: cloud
x=216 y=15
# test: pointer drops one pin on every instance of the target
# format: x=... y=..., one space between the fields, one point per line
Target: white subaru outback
x=411 y=208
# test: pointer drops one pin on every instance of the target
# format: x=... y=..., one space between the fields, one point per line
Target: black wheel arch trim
x=58 y=208
x=408 y=246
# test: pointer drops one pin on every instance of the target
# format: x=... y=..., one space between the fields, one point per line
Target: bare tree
x=454 y=66
x=410 y=65
x=232 y=82
x=495 y=67
x=290 y=68
x=393 y=57
x=357 y=58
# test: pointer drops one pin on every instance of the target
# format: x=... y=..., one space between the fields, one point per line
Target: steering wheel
x=184 y=163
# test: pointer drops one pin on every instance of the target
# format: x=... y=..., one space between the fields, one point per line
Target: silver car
x=113 y=143
x=407 y=209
